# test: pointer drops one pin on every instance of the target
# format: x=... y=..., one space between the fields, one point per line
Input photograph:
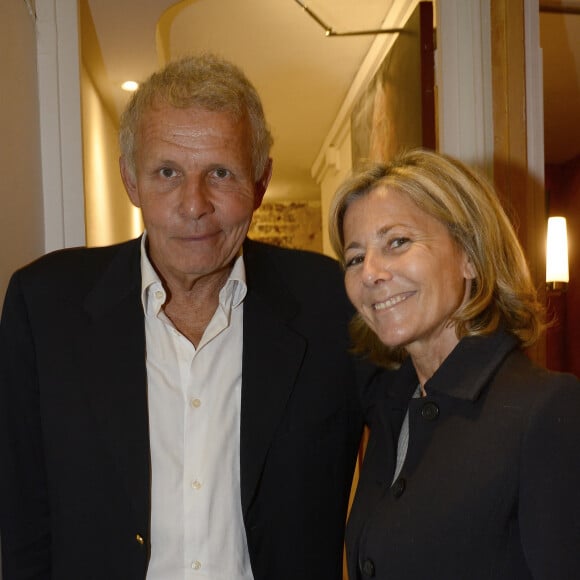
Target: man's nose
x=195 y=199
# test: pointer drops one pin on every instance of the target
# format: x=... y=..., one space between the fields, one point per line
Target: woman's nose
x=375 y=270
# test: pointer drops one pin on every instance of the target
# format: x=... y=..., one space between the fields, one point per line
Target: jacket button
x=139 y=539
x=398 y=487
x=430 y=411
x=368 y=568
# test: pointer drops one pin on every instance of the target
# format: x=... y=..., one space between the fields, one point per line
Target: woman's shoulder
x=529 y=385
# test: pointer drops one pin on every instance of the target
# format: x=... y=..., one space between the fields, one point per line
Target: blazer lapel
x=272 y=356
x=117 y=380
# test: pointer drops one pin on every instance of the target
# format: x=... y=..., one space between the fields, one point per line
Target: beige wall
x=338 y=167
x=110 y=216
x=21 y=206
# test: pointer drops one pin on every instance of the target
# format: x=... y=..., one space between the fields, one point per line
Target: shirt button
x=430 y=411
x=196 y=564
x=159 y=294
x=139 y=539
x=398 y=488
x=195 y=403
x=196 y=484
x=368 y=568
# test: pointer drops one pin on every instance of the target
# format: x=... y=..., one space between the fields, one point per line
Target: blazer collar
x=120 y=279
x=465 y=372
x=471 y=365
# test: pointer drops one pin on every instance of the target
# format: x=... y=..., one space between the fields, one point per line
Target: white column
x=463 y=78
x=60 y=123
x=534 y=91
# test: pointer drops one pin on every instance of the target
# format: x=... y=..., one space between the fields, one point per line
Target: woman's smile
x=393 y=301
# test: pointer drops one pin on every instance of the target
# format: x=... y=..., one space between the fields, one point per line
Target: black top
x=490 y=487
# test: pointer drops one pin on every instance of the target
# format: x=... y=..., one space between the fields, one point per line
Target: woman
x=472 y=469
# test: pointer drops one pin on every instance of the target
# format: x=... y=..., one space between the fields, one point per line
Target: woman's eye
x=354 y=261
x=398 y=242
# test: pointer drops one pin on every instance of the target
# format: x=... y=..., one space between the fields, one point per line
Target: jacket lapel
x=117 y=382
x=272 y=356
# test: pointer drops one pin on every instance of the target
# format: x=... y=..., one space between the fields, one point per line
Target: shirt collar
x=150 y=281
x=233 y=292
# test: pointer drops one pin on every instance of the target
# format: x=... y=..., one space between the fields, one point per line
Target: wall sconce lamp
x=557 y=275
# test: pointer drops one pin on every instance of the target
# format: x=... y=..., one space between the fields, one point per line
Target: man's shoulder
x=313 y=280
x=77 y=266
x=303 y=260
x=80 y=255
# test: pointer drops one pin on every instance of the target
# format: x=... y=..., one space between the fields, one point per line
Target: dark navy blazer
x=74 y=439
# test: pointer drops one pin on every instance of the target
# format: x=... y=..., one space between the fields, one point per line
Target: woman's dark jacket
x=490 y=488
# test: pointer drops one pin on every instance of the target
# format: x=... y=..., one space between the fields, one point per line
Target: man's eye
x=221 y=172
x=167 y=172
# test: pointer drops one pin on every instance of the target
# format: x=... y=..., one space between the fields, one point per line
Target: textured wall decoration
x=289 y=224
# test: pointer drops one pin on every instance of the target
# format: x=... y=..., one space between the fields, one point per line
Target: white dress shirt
x=194 y=396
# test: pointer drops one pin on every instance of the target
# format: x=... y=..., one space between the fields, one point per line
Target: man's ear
x=262 y=185
x=129 y=181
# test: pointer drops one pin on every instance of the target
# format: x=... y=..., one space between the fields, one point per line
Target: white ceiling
x=302 y=75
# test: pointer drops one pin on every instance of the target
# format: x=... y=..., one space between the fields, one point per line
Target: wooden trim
x=521 y=191
x=509 y=97
x=427 y=35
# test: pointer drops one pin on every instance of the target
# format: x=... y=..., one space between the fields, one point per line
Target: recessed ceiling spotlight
x=130 y=86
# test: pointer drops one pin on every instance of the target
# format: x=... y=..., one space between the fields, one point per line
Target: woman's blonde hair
x=446 y=189
x=205 y=81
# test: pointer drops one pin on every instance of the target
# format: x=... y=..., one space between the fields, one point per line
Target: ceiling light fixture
x=329 y=31
x=130 y=86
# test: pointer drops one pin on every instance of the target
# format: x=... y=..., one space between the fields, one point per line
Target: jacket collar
x=121 y=279
x=465 y=372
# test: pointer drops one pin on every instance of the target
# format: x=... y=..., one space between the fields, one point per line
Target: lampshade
x=557 y=252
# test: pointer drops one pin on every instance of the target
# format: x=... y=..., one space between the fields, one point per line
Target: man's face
x=194 y=183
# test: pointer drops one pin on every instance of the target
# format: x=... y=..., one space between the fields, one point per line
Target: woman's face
x=404 y=273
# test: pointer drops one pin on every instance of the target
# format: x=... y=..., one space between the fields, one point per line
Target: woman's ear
x=469 y=272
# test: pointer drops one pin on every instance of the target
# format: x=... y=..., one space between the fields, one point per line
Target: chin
x=391 y=341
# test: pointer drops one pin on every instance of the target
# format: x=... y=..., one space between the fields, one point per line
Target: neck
x=190 y=307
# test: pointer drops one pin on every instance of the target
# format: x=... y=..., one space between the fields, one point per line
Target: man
x=182 y=405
